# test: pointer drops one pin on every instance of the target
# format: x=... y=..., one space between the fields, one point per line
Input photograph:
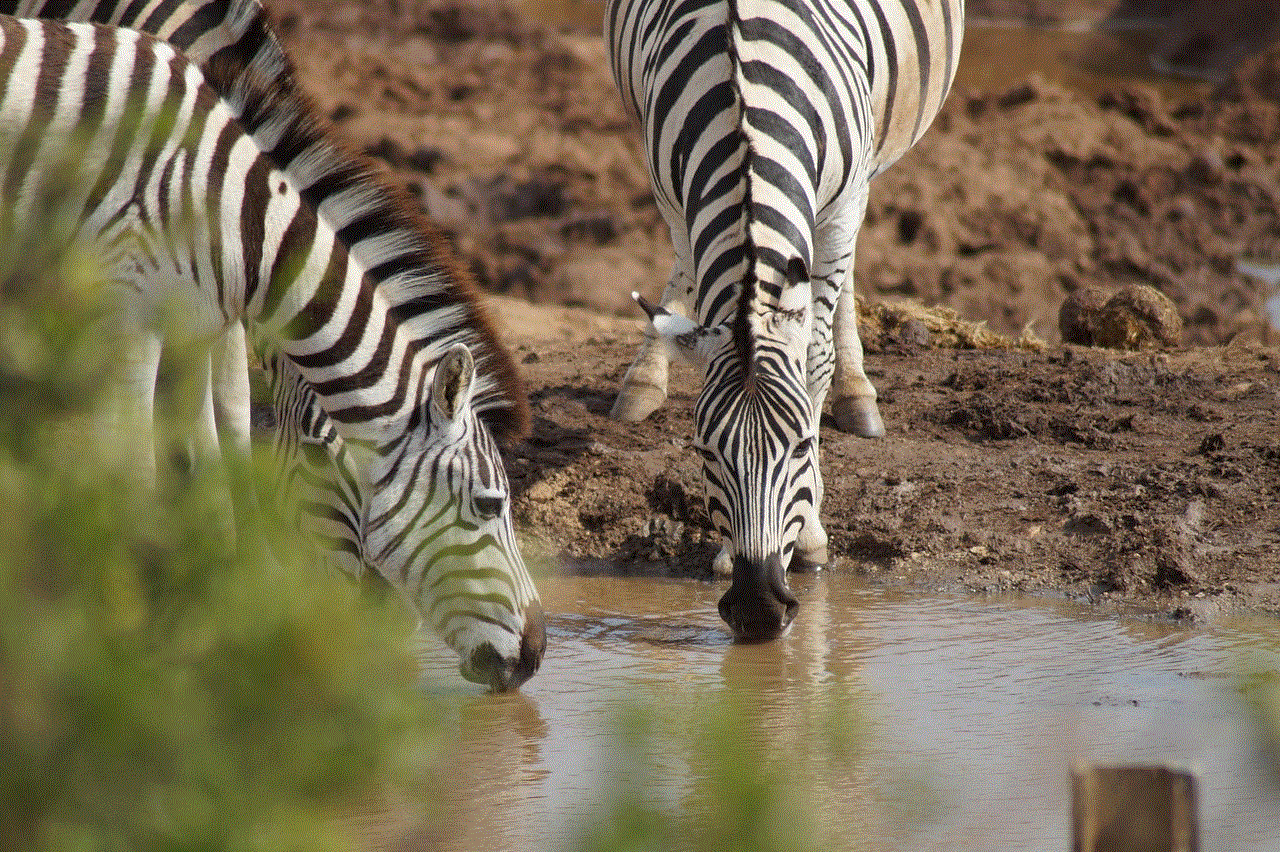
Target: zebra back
x=915 y=34
x=857 y=82
x=890 y=36
x=410 y=257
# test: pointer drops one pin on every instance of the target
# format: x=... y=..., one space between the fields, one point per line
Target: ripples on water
x=975 y=711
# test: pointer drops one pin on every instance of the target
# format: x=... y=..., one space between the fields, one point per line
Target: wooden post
x=1134 y=809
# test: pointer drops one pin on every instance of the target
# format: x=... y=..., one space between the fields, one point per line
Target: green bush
x=161 y=685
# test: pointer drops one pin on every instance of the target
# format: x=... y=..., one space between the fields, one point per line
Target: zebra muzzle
x=758 y=606
x=500 y=673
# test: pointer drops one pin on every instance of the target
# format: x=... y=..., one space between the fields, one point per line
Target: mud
x=1012 y=461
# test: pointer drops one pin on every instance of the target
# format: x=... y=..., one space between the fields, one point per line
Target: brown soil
x=1013 y=461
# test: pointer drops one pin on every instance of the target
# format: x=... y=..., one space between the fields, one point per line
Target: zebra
x=762 y=123
x=243 y=60
x=234 y=43
x=184 y=209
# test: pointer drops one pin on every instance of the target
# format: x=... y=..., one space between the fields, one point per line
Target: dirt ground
x=1013 y=461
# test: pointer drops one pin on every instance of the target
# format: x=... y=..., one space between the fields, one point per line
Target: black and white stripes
x=763 y=122
x=192 y=216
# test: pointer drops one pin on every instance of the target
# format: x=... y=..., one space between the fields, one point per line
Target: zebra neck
x=366 y=360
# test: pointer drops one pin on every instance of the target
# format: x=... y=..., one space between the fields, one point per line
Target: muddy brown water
x=966 y=716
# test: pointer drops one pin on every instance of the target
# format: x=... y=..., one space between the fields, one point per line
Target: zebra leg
x=811 y=548
x=810 y=553
x=130 y=422
x=230 y=415
x=811 y=543
x=230 y=387
x=854 y=404
x=723 y=563
x=205 y=443
x=644 y=387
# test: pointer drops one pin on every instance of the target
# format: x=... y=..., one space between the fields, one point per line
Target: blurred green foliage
x=161 y=685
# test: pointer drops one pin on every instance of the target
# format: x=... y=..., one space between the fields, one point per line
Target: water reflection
x=908 y=721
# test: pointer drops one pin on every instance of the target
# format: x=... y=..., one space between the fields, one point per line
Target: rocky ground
x=1013 y=460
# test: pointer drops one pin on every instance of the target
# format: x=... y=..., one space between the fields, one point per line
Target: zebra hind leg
x=854 y=402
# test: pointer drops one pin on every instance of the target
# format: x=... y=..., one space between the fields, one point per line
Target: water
x=972 y=714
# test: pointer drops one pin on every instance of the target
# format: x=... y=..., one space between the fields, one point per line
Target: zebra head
x=437 y=524
x=429 y=511
x=757 y=435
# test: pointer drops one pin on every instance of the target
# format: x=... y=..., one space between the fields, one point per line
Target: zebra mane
x=408 y=257
x=743 y=339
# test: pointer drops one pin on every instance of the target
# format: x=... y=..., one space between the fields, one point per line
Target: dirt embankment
x=1150 y=477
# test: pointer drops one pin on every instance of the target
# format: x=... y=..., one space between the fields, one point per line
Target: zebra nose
x=502 y=674
x=758 y=605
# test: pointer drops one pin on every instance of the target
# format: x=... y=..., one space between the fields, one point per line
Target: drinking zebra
x=378 y=319
x=763 y=121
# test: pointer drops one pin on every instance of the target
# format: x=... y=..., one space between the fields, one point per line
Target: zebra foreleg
x=810 y=553
x=854 y=401
x=644 y=387
x=811 y=548
x=230 y=378
x=129 y=425
x=811 y=543
x=230 y=415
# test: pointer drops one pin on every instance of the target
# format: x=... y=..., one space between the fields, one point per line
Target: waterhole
x=965 y=716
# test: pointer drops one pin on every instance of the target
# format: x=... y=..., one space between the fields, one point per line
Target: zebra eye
x=707 y=455
x=802 y=448
x=488 y=506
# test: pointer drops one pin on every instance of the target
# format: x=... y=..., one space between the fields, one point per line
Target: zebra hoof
x=636 y=402
x=859 y=416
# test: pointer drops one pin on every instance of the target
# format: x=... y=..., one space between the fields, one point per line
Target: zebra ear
x=683 y=337
x=451 y=386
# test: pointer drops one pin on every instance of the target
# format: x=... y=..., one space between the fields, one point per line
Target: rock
x=1137 y=317
x=1079 y=314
